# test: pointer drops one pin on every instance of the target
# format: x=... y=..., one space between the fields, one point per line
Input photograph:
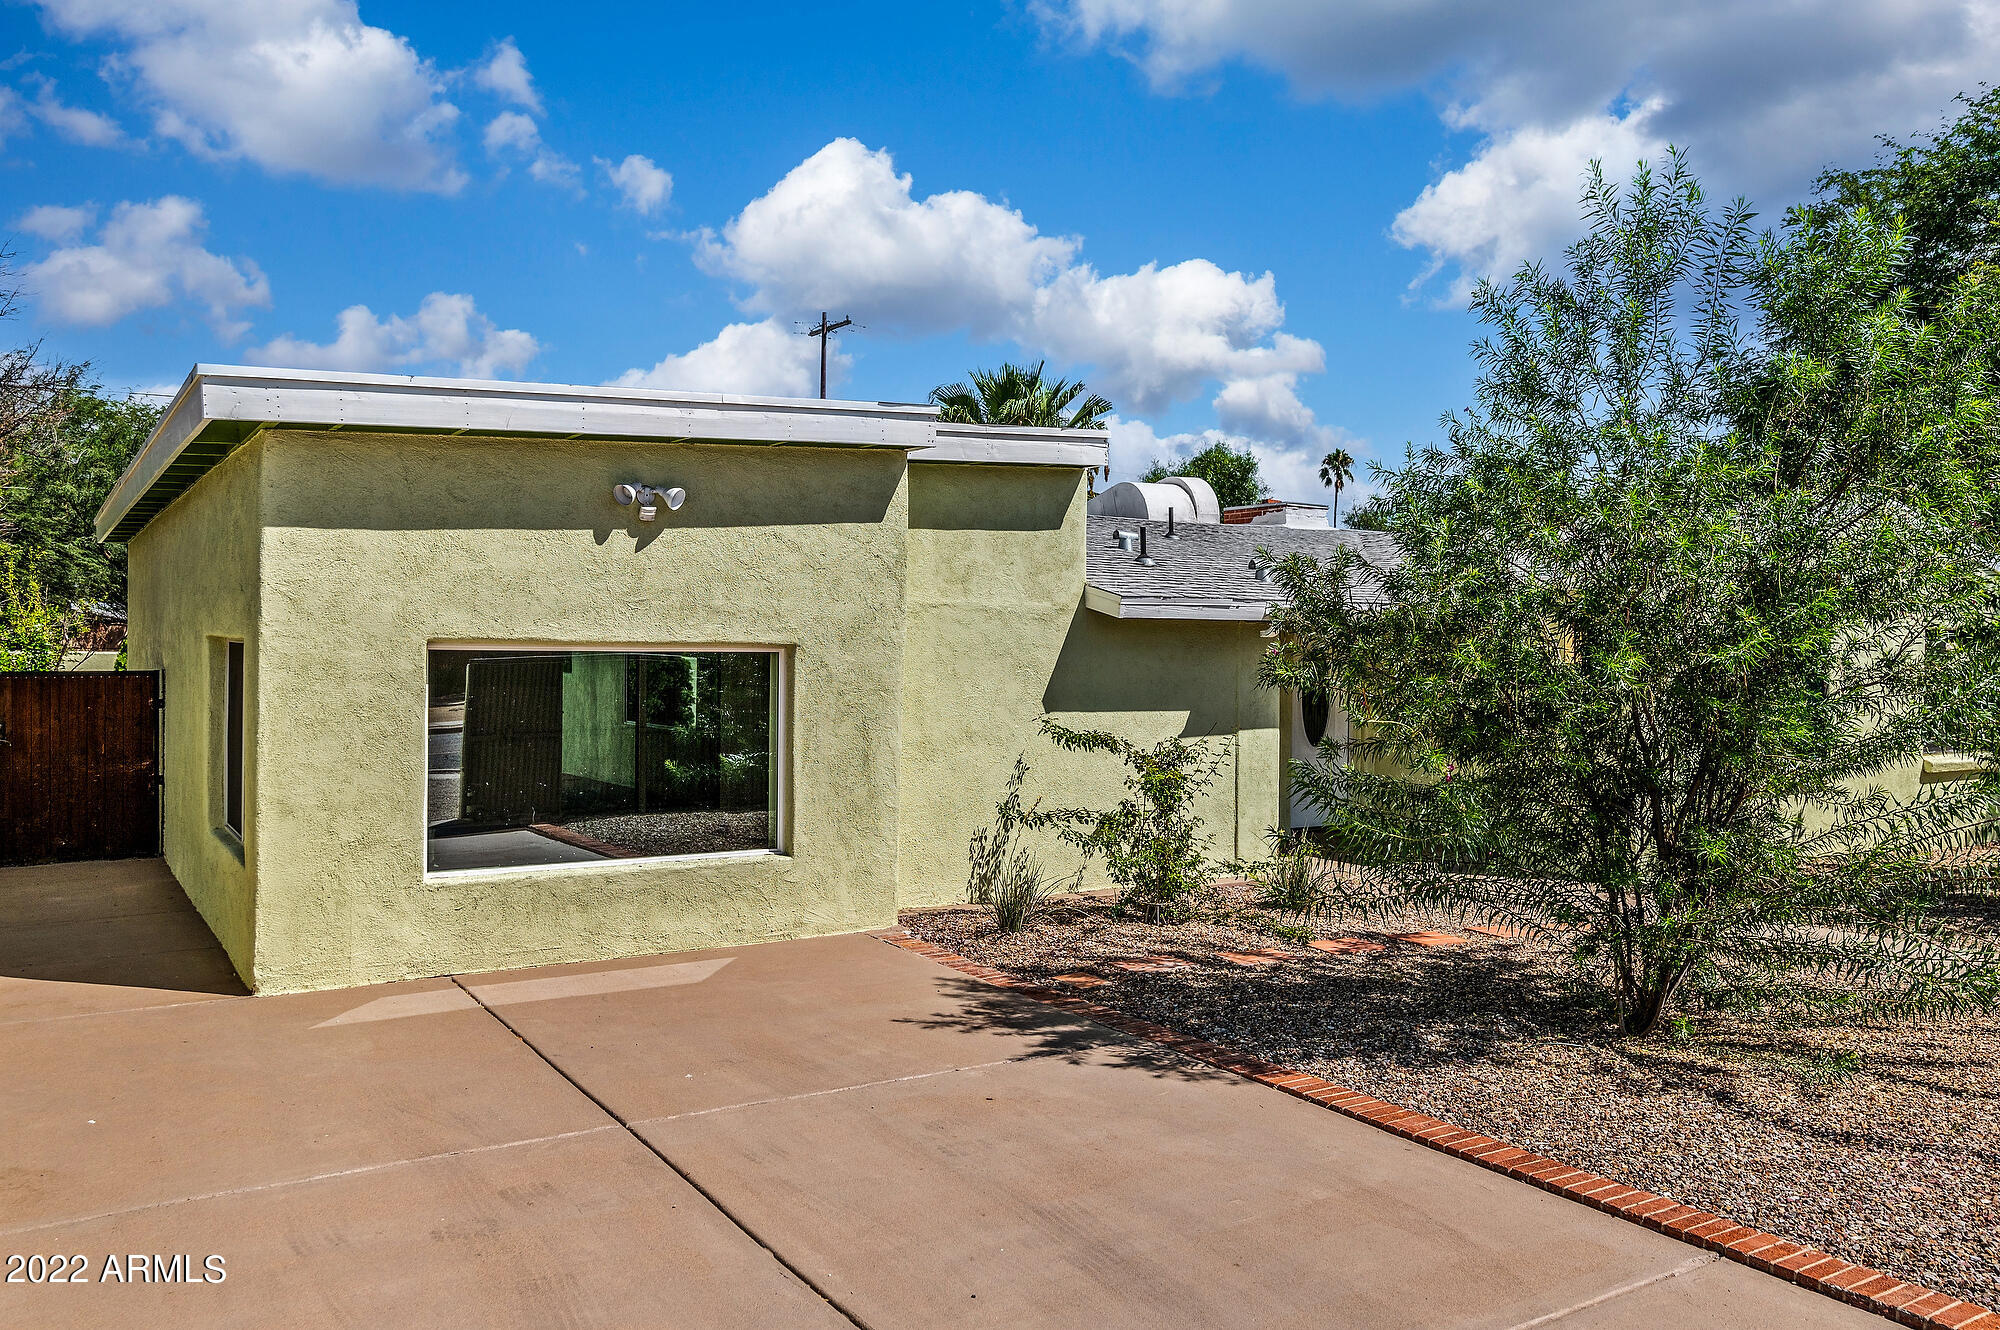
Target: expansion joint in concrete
x=661 y=1155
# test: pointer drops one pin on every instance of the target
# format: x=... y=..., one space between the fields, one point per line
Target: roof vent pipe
x=1261 y=570
x=1144 y=560
x=1170 y=525
x=1124 y=539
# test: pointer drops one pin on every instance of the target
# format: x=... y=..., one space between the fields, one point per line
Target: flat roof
x=220 y=407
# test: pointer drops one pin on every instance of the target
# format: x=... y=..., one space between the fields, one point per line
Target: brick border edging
x=1857 y=1285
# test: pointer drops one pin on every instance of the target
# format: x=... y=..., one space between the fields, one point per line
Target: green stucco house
x=464 y=675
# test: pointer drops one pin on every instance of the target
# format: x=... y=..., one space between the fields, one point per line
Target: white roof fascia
x=390 y=402
x=1123 y=607
x=182 y=422
x=1014 y=446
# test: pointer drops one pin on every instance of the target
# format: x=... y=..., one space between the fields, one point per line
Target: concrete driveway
x=820 y=1133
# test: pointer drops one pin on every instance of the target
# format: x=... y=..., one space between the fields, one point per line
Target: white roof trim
x=1014 y=446
x=1112 y=604
x=388 y=403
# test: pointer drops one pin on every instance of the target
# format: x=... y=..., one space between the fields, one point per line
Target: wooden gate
x=79 y=766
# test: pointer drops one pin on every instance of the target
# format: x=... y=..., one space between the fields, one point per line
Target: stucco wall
x=930 y=616
x=376 y=547
x=998 y=638
x=194 y=584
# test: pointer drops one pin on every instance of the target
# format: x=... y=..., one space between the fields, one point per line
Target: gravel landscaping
x=694 y=832
x=1877 y=1140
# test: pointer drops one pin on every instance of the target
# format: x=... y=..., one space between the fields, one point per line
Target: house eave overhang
x=220 y=407
x=1113 y=605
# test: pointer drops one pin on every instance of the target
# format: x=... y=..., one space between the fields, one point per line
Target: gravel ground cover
x=1877 y=1140
x=695 y=832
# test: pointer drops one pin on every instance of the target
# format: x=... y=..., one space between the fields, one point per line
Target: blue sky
x=1248 y=219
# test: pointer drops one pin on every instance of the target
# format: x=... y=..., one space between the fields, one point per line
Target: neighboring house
x=97 y=646
x=464 y=675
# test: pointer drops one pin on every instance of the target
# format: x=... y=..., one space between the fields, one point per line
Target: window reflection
x=550 y=757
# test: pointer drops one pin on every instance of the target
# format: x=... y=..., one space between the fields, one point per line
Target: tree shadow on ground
x=1049 y=1032
x=1411 y=1007
x=1821 y=1116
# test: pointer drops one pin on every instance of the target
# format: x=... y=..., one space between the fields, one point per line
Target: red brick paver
x=1254 y=957
x=1871 y=1290
x=1432 y=939
x=1346 y=946
x=1152 y=964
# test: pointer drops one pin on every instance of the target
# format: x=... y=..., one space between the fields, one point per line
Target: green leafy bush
x=34 y=634
x=1152 y=843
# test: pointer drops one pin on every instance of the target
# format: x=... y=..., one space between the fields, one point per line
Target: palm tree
x=1336 y=469
x=1016 y=395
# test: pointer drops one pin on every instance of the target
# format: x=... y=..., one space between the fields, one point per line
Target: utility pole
x=825 y=331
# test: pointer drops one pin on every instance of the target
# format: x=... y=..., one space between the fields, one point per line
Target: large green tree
x=1946 y=189
x=1713 y=552
x=1231 y=473
x=1021 y=395
x=63 y=466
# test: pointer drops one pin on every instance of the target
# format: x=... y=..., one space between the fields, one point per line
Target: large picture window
x=560 y=757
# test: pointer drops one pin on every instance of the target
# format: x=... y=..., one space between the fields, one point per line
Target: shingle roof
x=1206 y=572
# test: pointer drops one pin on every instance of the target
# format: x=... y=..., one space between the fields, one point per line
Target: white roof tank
x=1188 y=498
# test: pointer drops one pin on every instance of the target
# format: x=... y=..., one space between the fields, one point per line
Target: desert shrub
x=1153 y=845
x=1289 y=879
x=1006 y=874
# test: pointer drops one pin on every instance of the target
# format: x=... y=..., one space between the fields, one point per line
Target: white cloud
x=1517 y=199
x=446 y=330
x=74 y=123
x=53 y=222
x=1764 y=93
x=510 y=131
x=1269 y=408
x=505 y=74
x=147 y=255
x=843 y=228
x=511 y=134
x=1157 y=334
x=644 y=187
x=843 y=231
x=296 y=86
x=763 y=359
x=13 y=119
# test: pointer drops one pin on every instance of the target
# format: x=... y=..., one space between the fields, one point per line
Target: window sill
x=230 y=840
x=1952 y=766
x=447 y=876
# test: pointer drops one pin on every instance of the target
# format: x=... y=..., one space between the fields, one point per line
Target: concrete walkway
x=819 y=1133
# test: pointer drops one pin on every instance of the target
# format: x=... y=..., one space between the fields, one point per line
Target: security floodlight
x=648 y=498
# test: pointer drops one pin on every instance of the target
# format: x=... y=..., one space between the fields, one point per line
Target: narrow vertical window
x=232 y=742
